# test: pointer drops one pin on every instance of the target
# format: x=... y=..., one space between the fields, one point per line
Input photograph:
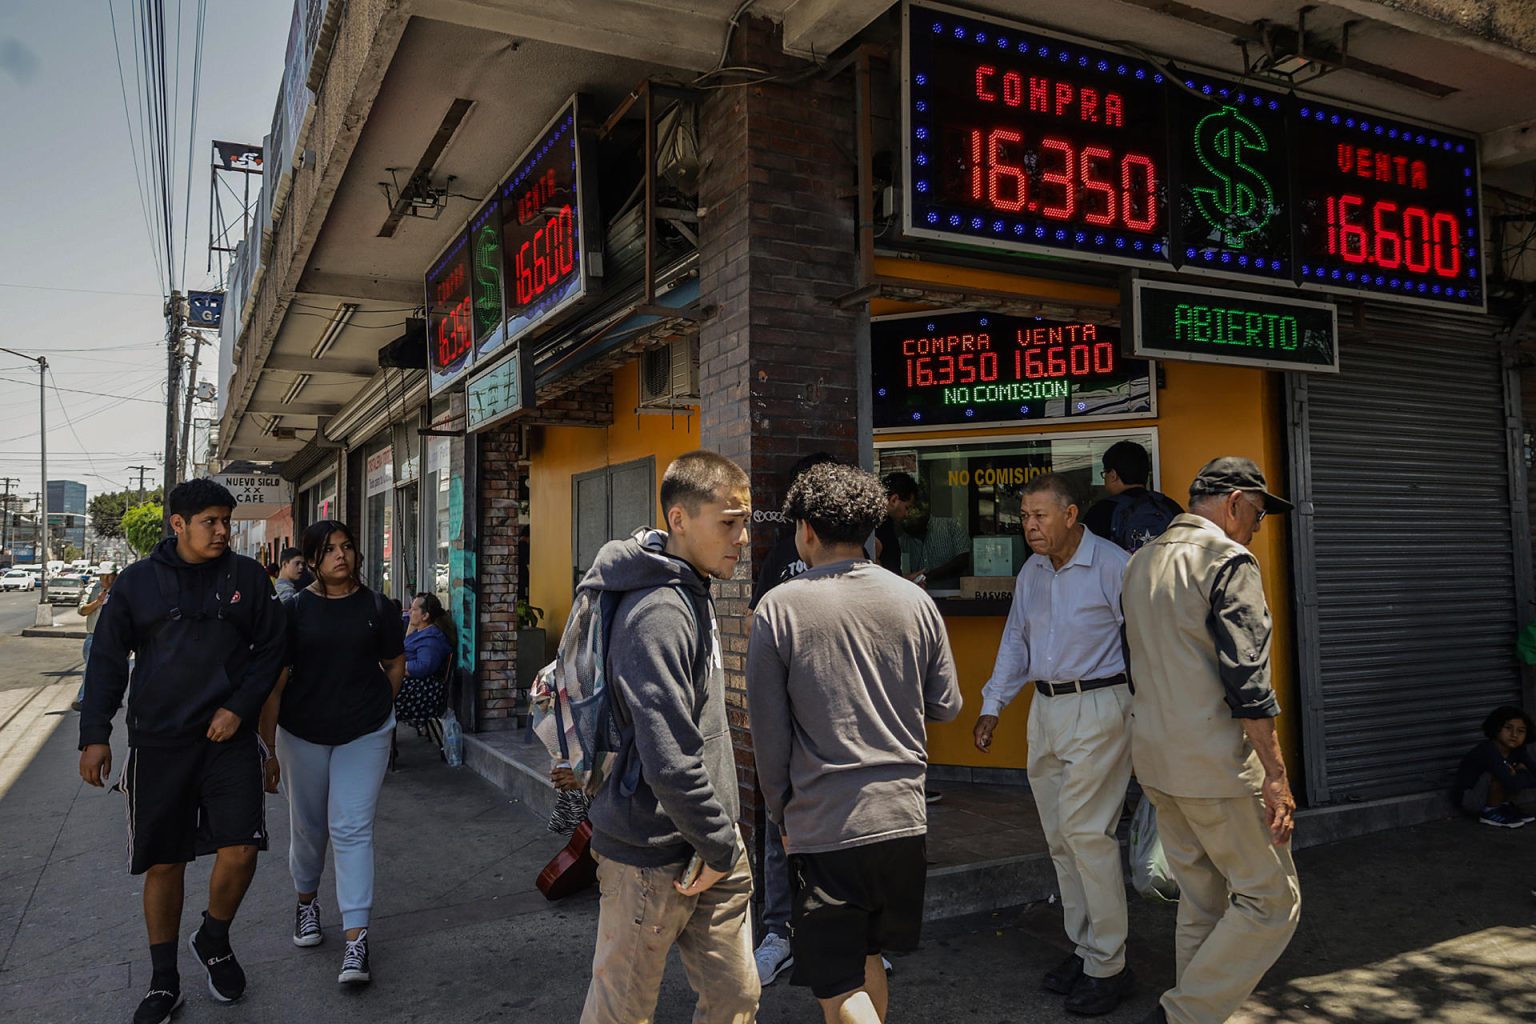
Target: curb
x=62 y=634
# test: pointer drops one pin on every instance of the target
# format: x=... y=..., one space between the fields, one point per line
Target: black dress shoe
x=1092 y=997
x=1157 y=1016
x=1061 y=978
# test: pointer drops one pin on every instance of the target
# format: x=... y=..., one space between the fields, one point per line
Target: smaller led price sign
x=1024 y=141
x=485 y=280
x=494 y=394
x=450 y=319
x=1388 y=207
x=545 y=210
x=1207 y=325
x=1232 y=209
x=971 y=368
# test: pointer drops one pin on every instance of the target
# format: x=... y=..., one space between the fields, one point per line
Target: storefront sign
x=498 y=392
x=380 y=472
x=261 y=489
x=205 y=309
x=1175 y=321
x=450 y=329
x=1020 y=140
x=545 y=215
x=971 y=369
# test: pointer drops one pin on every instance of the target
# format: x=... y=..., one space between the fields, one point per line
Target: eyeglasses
x=1257 y=507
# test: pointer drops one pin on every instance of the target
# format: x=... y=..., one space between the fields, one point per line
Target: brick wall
x=777 y=361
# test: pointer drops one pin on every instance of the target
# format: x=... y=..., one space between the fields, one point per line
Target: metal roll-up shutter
x=1408 y=577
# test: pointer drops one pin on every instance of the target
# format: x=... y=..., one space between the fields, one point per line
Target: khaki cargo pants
x=642 y=916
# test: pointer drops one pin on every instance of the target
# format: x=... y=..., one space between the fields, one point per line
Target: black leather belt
x=1077 y=685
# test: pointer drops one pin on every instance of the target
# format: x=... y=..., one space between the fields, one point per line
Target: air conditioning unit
x=669 y=375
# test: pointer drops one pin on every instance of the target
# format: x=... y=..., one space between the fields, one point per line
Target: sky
x=78 y=282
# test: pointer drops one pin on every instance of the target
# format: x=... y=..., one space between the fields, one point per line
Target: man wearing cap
x=1063 y=635
x=1203 y=741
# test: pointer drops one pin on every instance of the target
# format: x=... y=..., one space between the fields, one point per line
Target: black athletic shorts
x=187 y=801
x=851 y=904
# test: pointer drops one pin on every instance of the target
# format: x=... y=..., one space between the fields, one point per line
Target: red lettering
x=1039 y=89
x=1089 y=98
x=1418 y=176
x=1013 y=89
x=982 y=92
x=1345 y=155
x=1064 y=96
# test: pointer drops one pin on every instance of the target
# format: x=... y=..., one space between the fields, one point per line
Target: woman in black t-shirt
x=329 y=721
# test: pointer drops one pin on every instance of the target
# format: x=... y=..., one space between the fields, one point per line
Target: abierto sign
x=257 y=489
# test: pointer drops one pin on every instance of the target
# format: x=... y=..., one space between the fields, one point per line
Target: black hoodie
x=224 y=651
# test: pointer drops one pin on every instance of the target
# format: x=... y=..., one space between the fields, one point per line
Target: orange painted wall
x=1204 y=411
x=568 y=451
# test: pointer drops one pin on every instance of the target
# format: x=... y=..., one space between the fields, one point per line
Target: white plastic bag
x=1149 y=866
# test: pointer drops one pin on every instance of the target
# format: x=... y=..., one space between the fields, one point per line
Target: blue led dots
x=933 y=218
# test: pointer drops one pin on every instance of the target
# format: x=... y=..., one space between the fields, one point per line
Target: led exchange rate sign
x=971 y=368
x=1388 y=207
x=450 y=320
x=1024 y=141
x=544 y=212
x=485 y=280
x=1017 y=139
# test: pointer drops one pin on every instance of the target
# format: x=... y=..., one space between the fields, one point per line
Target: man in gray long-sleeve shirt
x=846 y=662
x=1203 y=741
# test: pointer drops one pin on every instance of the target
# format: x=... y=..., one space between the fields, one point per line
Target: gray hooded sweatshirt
x=665 y=669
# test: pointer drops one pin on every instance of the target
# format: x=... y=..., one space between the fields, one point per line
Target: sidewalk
x=67 y=624
x=1425 y=924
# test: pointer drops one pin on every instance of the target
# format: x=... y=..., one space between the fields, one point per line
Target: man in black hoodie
x=670 y=799
x=207 y=634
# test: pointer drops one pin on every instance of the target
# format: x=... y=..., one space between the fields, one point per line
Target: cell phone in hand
x=691 y=871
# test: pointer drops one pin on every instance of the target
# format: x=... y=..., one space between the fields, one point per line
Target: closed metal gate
x=1412 y=568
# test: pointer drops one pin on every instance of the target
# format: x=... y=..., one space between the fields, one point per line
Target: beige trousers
x=641 y=917
x=1239 y=901
x=1079 y=766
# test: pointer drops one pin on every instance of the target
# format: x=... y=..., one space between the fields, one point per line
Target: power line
x=122 y=85
x=94 y=394
x=197 y=78
x=82 y=291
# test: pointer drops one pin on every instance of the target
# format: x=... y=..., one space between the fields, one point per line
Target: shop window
x=379 y=519
x=963 y=532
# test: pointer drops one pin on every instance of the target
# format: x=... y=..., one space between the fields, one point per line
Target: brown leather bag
x=572 y=869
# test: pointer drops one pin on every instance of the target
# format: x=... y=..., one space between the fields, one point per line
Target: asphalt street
x=1429 y=924
x=18 y=610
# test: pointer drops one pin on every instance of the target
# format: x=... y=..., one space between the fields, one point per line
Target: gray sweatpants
x=332 y=795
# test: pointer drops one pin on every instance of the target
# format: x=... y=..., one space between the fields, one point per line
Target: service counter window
x=963 y=533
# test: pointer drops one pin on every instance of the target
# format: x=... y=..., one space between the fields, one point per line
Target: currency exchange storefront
x=1091 y=253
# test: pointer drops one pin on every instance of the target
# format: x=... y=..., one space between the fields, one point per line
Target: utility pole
x=44 y=609
x=186 y=421
x=141 y=471
x=175 y=320
x=5 y=514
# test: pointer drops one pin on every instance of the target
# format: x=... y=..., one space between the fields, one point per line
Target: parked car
x=65 y=590
x=17 y=579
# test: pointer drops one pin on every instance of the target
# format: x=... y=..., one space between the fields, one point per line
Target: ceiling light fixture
x=333 y=329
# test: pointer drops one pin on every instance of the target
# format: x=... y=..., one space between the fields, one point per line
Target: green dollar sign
x=488 y=277
x=1243 y=202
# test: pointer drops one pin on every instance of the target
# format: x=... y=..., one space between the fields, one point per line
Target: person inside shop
x=1133 y=513
x=1063 y=634
x=1497 y=778
x=330 y=720
x=938 y=548
x=900 y=493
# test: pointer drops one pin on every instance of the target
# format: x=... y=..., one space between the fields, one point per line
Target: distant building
x=66 y=512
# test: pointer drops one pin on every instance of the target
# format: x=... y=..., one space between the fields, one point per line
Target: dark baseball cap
x=1234 y=473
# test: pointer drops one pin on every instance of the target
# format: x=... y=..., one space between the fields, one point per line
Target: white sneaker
x=774 y=957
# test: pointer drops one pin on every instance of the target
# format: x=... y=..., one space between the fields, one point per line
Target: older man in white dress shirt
x=1063 y=634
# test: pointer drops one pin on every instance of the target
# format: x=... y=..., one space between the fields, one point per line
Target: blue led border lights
x=1022 y=232
x=1468 y=289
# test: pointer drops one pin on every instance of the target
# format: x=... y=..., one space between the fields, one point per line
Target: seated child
x=1499 y=774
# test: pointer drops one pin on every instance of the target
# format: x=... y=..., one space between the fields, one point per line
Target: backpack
x=1139 y=518
x=577 y=715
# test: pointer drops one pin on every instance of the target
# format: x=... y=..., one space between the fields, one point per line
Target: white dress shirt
x=1064 y=624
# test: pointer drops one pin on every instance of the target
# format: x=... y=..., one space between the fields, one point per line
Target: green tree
x=143 y=526
x=70 y=553
x=107 y=511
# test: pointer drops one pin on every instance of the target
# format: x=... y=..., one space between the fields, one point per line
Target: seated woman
x=427 y=650
x=1497 y=778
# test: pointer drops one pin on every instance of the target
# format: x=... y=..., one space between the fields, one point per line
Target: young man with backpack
x=846 y=662
x=207 y=633
x=671 y=864
x=1133 y=514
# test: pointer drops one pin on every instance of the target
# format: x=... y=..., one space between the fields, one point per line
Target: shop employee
x=1063 y=634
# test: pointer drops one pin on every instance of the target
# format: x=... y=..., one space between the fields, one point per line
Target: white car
x=17 y=579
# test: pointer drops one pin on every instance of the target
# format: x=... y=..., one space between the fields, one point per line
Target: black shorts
x=187 y=801
x=851 y=904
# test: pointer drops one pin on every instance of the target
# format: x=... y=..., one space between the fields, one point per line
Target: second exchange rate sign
x=1024 y=141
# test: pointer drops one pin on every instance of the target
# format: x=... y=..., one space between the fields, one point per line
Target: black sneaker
x=306 y=924
x=157 y=1006
x=226 y=980
x=1514 y=810
x=1061 y=978
x=354 y=962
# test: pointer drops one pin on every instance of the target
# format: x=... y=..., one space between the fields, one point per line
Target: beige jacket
x=1198 y=632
